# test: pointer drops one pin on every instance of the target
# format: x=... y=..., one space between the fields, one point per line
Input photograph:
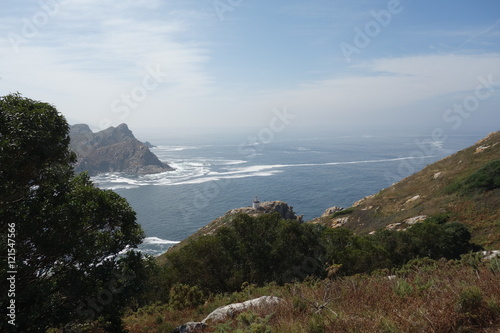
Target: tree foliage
x=67 y=232
x=267 y=248
x=253 y=249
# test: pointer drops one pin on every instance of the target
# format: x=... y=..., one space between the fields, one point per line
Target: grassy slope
x=448 y=297
x=437 y=297
x=479 y=211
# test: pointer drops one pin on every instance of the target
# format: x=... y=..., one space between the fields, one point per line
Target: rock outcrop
x=331 y=211
x=226 y=312
x=112 y=150
x=269 y=207
x=406 y=223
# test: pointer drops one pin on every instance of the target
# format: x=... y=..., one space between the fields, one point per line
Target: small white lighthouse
x=255 y=203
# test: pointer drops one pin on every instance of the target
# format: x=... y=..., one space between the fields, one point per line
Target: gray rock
x=149 y=145
x=189 y=327
x=224 y=312
x=112 y=150
x=331 y=211
x=269 y=207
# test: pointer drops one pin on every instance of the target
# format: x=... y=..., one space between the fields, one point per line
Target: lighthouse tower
x=255 y=203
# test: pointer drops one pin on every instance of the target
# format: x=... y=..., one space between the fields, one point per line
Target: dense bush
x=267 y=248
x=486 y=178
x=258 y=250
x=183 y=296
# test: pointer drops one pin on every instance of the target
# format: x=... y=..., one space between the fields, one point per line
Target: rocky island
x=112 y=150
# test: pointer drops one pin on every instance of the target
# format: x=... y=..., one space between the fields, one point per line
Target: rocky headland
x=112 y=150
x=267 y=207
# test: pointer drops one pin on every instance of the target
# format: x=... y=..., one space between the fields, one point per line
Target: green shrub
x=486 y=178
x=343 y=212
x=439 y=218
x=470 y=300
x=403 y=288
x=183 y=296
x=252 y=323
x=388 y=326
x=494 y=265
x=418 y=265
x=316 y=324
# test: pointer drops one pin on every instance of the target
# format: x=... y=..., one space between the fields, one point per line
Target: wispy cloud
x=86 y=54
x=93 y=51
x=388 y=87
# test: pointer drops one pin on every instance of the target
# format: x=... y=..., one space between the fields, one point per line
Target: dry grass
x=441 y=298
x=436 y=301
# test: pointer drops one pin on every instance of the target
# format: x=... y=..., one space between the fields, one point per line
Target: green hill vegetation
x=464 y=186
x=424 y=274
x=330 y=280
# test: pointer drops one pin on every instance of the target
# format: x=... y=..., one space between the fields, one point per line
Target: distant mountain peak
x=114 y=149
x=81 y=128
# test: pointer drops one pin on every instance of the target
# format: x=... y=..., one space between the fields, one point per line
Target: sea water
x=313 y=171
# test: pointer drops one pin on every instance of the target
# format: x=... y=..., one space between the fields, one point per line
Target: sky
x=325 y=64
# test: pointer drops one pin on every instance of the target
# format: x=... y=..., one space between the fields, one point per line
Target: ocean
x=216 y=172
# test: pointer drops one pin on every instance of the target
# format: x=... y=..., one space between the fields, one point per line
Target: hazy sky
x=335 y=64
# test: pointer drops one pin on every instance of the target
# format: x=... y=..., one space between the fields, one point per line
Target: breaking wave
x=197 y=171
x=155 y=246
x=156 y=240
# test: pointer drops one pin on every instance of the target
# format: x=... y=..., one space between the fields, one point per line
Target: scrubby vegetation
x=331 y=279
x=422 y=296
x=268 y=249
x=71 y=277
x=486 y=178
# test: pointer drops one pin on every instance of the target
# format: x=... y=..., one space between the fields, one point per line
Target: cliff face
x=112 y=150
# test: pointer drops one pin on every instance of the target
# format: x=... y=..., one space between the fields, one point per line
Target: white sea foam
x=158 y=149
x=202 y=171
x=156 y=240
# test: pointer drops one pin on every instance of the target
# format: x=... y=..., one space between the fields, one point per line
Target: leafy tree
x=203 y=262
x=252 y=249
x=355 y=254
x=67 y=232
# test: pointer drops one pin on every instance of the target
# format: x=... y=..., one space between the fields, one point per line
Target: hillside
x=112 y=150
x=420 y=278
x=463 y=187
x=267 y=207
